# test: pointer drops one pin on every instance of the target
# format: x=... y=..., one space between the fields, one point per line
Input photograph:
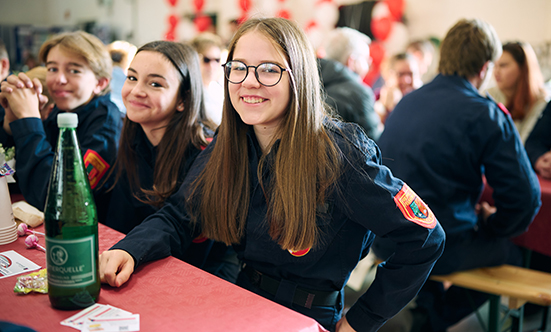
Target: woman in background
x=520 y=86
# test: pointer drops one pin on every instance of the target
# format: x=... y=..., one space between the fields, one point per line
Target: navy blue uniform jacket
x=126 y=212
x=99 y=127
x=442 y=138
x=363 y=205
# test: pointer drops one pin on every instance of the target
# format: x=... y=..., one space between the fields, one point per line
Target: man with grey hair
x=442 y=139
x=345 y=64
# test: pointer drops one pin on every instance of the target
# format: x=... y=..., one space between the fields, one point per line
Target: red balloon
x=396 y=8
x=173 y=21
x=284 y=14
x=371 y=76
x=245 y=5
x=381 y=27
x=198 y=4
x=172 y=3
x=202 y=23
x=310 y=25
x=242 y=19
x=170 y=35
x=377 y=52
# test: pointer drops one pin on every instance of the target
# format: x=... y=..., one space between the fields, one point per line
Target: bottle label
x=71 y=263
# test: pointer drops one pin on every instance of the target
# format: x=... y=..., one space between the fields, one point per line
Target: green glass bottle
x=71 y=225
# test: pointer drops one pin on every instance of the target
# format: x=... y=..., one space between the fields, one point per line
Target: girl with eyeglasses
x=299 y=195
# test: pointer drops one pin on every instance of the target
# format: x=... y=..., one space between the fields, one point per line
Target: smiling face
x=70 y=80
x=506 y=72
x=150 y=93
x=257 y=105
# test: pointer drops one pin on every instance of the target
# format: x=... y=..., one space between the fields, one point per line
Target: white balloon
x=397 y=40
x=380 y=10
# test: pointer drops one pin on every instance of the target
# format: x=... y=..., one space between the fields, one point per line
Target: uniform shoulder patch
x=503 y=108
x=95 y=166
x=413 y=208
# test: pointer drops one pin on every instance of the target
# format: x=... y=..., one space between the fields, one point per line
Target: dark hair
x=530 y=83
x=184 y=129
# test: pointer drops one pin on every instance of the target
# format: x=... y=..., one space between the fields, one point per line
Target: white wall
x=528 y=20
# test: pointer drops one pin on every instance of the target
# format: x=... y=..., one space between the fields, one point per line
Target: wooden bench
x=518 y=284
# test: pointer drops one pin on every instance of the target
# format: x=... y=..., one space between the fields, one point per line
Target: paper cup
x=6 y=212
x=8 y=227
x=8 y=240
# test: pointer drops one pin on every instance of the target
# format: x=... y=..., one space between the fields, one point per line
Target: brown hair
x=468 y=45
x=184 y=129
x=530 y=85
x=85 y=45
x=305 y=166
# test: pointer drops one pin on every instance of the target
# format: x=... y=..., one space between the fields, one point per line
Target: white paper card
x=12 y=263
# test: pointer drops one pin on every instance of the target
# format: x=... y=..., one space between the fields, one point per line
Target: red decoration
x=173 y=21
x=377 y=52
x=371 y=76
x=198 y=4
x=322 y=1
x=281 y=0
x=242 y=19
x=170 y=35
x=172 y=3
x=396 y=8
x=284 y=14
x=381 y=27
x=245 y=5
x=311 y=25
x=202 y=22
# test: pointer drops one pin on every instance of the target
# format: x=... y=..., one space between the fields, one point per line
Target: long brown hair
x=184 y=129
x=305 y=166
x=530 y=83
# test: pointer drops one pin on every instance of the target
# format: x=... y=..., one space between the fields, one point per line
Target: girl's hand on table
x=115 y=267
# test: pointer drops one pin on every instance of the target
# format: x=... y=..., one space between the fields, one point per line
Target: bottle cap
x=67 y=120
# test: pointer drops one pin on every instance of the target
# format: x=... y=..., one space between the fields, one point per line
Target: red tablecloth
x=169 y=295
x=537 y=238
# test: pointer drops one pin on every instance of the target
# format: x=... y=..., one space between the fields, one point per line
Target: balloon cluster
x=391 y=35
x=172 y=21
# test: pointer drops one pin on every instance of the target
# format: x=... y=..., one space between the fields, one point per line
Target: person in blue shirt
x=442 y=139
x=300 y=196
x=79 y=70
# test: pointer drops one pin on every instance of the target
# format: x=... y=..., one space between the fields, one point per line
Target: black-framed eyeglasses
x=267 y=73
x=207 y=60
